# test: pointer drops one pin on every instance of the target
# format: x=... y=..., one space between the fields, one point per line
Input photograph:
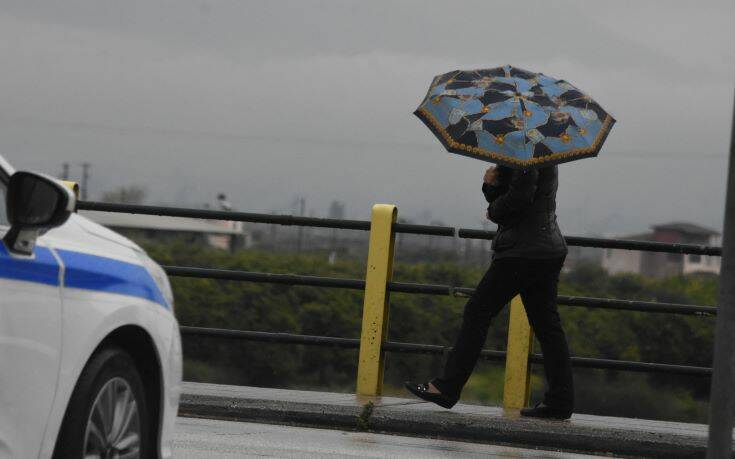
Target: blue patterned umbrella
x=514 y=117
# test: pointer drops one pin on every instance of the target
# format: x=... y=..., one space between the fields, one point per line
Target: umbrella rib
x=522 y=117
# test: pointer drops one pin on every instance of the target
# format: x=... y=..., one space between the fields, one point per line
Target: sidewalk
x=583 y=433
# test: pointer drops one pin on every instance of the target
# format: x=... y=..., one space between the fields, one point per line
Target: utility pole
x=723 y=365
x=85 y=180
x=65 y=171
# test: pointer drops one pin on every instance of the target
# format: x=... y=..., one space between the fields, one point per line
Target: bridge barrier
x=373 y=343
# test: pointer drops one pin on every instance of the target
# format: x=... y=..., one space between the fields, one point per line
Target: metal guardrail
x=373 y=343
x=431 y=289
x=624 y=244
x=364 y=225
x=287 y=220
x=414 y=348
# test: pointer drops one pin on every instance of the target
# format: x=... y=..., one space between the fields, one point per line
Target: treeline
x=624 y=335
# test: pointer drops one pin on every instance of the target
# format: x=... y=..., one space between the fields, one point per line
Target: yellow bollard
x=520 y=339
x=73 y=186
x=375 y=308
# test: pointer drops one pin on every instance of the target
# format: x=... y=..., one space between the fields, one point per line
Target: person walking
x=528 y=123
x=528 y=255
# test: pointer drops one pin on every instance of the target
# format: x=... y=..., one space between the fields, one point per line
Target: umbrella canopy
x=514 y=117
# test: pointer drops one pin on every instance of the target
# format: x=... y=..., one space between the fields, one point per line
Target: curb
x=414 y=419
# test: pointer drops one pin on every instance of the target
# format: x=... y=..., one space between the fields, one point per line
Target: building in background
x=654 y=264
x=220 y=234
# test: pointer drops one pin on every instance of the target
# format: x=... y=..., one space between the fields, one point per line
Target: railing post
x=520 y=339
x=721 y=401
x=376 y=307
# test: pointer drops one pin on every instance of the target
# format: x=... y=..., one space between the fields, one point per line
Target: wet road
x=198 y=438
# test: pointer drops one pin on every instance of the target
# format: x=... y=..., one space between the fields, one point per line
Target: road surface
x=199 y=438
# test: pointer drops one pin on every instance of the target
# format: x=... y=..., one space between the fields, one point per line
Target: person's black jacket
x=523 y=204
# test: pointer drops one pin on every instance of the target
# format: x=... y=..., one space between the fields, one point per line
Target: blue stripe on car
x=101 y=274
x=83 y=271
x=42 y=268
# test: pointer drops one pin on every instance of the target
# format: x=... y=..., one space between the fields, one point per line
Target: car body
x=83 y=289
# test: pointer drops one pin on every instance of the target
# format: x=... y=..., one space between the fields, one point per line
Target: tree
x=132 y=194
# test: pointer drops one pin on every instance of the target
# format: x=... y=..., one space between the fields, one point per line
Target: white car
x=90 y=350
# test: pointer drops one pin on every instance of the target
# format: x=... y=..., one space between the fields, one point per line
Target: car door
x=30 y=342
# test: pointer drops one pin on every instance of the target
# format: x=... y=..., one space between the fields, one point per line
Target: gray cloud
x=267 y=99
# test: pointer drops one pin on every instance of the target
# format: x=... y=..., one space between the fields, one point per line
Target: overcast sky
x=266 y=100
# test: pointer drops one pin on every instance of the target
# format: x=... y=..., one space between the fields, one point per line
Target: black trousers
x=536 y=281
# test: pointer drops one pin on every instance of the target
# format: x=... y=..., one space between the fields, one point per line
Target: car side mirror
x=35 y=203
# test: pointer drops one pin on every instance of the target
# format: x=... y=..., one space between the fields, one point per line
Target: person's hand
x=491 y=176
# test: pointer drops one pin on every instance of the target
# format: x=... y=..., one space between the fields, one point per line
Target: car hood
x=95 y=229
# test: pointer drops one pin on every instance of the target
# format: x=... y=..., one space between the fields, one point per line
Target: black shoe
x=546 y=412
x=422 y=391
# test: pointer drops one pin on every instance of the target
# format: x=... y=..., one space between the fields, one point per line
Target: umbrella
x=514 y=117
